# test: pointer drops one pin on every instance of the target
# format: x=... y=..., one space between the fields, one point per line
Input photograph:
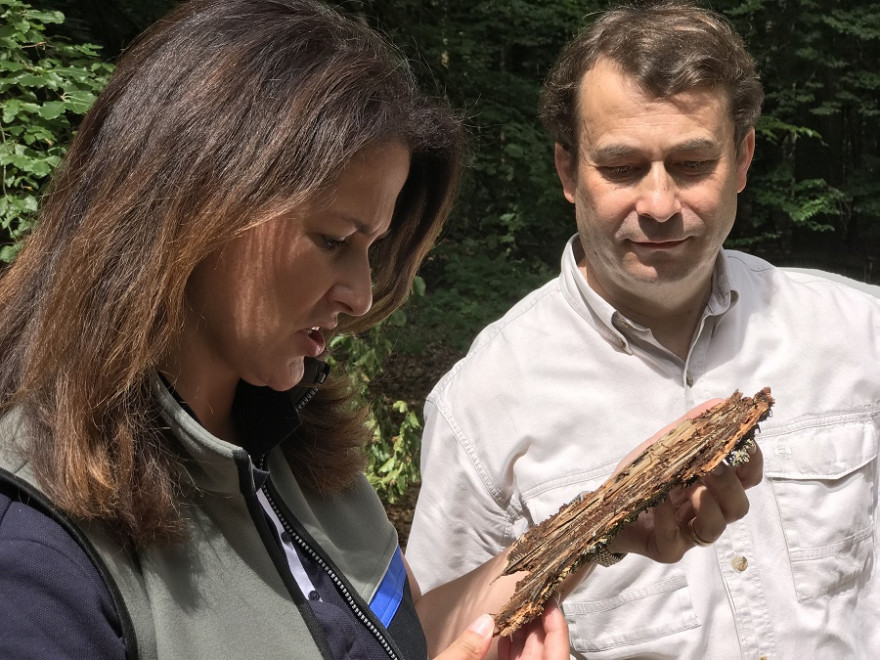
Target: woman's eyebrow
x=363 y=228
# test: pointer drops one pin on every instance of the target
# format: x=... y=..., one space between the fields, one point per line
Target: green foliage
x=394 y=451
x=488 y=58
x=394 y=448
x=815 y=173
x=45 y=86
x=473 y=287
x=815 y=167
x=817 y=140
x=113 y=25
x=814 y=187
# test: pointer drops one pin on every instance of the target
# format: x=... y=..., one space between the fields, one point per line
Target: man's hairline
x=576 y=122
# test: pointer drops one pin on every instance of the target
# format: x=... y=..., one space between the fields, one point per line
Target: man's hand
x=692 y=516
x=695 y=515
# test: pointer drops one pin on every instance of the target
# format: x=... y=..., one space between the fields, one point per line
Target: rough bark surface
x=582 y=528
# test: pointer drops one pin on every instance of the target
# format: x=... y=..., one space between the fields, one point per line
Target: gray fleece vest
x=221 y=595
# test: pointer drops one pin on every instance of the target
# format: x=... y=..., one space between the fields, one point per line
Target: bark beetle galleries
x=581 y=529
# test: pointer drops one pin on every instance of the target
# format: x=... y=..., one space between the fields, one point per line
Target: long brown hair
x=668 y=47
x=225 y=114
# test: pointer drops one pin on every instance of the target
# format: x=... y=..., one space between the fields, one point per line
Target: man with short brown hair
x=653 y=111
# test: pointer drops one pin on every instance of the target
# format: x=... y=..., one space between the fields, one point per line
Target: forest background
x=813 y=197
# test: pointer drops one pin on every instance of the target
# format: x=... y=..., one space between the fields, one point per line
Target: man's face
x=654 y=187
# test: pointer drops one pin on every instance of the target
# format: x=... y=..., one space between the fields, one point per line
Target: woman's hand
x=696 y=515
x=545 y=638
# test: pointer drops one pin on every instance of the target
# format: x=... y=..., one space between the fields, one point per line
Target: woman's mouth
x=317 y=342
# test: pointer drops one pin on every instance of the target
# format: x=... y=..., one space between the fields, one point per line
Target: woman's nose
x=354 y=291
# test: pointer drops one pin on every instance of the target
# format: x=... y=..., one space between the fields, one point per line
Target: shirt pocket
x=823 y=476
x=639 y=602
x=655 y=612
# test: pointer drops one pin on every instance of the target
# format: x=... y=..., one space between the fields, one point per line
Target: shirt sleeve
x=53 y=601
x=458 y=522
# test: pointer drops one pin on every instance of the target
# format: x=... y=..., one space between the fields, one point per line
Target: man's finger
x=669 y=542
x=751 y=472
x=709 y=523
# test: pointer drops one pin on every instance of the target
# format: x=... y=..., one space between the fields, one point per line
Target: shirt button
x=286 y=537
x=314 y=595
x=739 y=563
x=689 y=380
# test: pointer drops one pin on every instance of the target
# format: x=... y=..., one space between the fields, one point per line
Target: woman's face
x=262 y=303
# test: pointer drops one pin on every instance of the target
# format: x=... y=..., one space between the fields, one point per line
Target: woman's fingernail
x=484 y=626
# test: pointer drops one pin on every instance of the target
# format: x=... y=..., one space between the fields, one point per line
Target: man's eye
x=618 y=172
x=331 y=243
x=695 y=166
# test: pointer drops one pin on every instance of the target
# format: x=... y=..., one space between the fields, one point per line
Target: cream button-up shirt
x=551 y=397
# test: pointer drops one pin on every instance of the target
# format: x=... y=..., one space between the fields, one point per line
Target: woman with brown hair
x=178 y=476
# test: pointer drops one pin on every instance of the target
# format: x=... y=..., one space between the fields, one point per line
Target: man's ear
x=566 y=168
x=744 y=159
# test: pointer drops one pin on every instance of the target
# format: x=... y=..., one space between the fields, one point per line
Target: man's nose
x=658 y=195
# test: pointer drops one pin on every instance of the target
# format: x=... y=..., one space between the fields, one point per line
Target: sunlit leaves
x=46 y=85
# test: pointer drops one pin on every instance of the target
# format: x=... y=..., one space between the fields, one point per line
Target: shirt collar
x=589 y=304
x=611 y=323
x=724 y=295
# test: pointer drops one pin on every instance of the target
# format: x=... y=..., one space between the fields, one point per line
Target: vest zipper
x=308 y=396
x=337 y=581
x=316 y=373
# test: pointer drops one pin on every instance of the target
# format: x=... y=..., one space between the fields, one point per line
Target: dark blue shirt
x=53 y=602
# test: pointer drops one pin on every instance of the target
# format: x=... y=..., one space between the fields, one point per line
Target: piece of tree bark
x=557 y=547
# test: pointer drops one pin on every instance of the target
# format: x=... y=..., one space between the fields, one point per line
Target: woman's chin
x=282 y=380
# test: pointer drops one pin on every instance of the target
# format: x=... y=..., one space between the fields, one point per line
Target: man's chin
x=661 y=272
